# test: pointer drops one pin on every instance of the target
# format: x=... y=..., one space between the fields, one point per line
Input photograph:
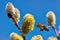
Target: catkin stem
x=24 y=37
x=18 y=26
x=58 y=38
x=16 y=23
x=55 y=30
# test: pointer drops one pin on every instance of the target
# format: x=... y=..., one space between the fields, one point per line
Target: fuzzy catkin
x=17 y=15
x=12 y=11
x=52 y=38
x=10 y=8
x=28 y=23
x=15 y=36
x=37 y=37
x=51 y=18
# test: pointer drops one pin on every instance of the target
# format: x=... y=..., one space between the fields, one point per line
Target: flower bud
x=51 y=18
x=52 y=38
x=10 y=9
x=17 y=15
x=15 y=36
x=28 y=23
x=37 y=37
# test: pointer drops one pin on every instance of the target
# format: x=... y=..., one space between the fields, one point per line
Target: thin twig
x=24 y=37
x=58 y=38
x=56 y=32
x=16 y=23
x=54 y=28
x=18 y=27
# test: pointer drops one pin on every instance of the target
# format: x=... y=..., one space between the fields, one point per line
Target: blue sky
x=38 y=8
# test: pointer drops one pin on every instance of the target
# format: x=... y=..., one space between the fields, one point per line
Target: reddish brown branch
x=24 y=37
x=18 y=27
x=16 y=23
x=55 y=30
x=58 y=38
x=56 y=33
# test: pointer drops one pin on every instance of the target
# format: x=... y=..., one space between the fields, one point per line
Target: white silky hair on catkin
x=17 y=14
x=17 y=11
x=10 y=8
x=51 y=38
x=26 y=15
x=39 y=37
x=12 y=34
x=53 y=14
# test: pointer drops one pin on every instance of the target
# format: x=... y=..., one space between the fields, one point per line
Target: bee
x=42 y=27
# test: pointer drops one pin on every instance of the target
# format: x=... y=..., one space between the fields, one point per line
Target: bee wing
x=42 y=27
x=46 y=29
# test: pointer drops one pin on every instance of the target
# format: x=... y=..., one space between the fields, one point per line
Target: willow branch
x=56 y=32
x=24 y=37
x=58 y=38
x=16 y=23
x=18 y=27
x=54 y=28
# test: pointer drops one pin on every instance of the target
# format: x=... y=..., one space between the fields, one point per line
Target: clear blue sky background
x=38 y=8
